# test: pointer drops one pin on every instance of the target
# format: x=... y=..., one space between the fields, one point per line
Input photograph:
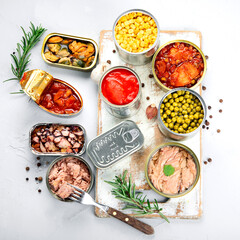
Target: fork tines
x=78 y=189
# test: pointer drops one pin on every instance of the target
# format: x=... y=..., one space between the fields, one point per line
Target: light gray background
x=26 y=214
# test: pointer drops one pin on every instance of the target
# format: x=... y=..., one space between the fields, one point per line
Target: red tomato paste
x=120 y=87
x=60 y=98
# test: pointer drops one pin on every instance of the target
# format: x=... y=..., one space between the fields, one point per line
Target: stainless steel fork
x=82 y=197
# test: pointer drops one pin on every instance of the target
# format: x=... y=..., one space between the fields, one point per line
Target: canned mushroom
x=120 y=89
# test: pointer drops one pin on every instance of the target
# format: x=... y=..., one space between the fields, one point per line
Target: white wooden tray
x=188 y=206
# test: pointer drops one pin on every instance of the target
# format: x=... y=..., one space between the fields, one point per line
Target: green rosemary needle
x=22 y=56
x=126 y=191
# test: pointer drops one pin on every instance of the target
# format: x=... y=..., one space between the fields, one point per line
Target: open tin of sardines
x=71 y=52
x=54 y=139
x=52 y=95
x=110 y=147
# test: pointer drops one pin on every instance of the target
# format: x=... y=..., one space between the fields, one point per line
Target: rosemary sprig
x=22 y=56
x=126 y=191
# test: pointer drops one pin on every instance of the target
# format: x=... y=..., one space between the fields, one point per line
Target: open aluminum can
x=180 y=136
x=122 y=111
x=56 y=161
x=34 y=151
x=174 y=144
x=115 y=144
x=140 y=58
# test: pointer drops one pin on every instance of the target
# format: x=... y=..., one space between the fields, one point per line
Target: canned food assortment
x=181 y=111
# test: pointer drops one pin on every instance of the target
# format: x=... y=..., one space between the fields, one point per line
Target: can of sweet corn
x=136 y=36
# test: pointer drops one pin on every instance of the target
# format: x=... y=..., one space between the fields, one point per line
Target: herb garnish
x=168 y=170
x=126 y=191
x=22 y=56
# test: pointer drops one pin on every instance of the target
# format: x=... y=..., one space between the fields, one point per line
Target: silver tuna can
x=140 y=58
x=180 y=136
x=122 y=111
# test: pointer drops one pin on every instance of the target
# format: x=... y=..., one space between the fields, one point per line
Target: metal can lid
x=115 y=144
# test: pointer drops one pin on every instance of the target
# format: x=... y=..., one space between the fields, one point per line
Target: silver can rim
x=199 y=98
x=142 y=11
x=57 y=160
x=126 y=105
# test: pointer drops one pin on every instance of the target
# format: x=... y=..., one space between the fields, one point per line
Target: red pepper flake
x=220 y=110
x=220 y=100
x=143 y=84
x=109 y=61
x=209 y=107
x=147 y=98
x=205 y=162
x=150 y=76
x=114 y=50
x=210 y=116
x=218 y=131
x=209 y=160
x=27 y=168
x=204 y=88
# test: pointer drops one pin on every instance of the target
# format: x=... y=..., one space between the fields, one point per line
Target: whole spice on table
x=206 y=56
x=220 y=100
x=27 y=168
x=147 y=98
x=150 y=76
x=27 y=179
x=209 y=107
x=143 y=84
x=151 y=111
x=114 y=50
x=218 y=131
x=210 y=116
x=220 y=110
x=39 y=190
x=108 y=61
x=126 y=191
x=205 y=162
x=39 y=164
x=204 y=88
x=209 y=160
x=40 y=179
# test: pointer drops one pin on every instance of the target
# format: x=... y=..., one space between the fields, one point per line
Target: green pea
x=172 y=114
x=196 y=116
x=181 y=98
x=164 y=115
x=179 y=92
x=193 y=124
x=189 y=100
x=187 y=121
x=168 y=112
x=198 y=109
x=176 y=109
x=174 y=104
x=167 y=104
x=170 y=125
x=176 y=100
x=200 y=120
x=179 y=120
x=184 y=125
x=171 y=100
x=165 y=100
x=185 y=116
x=188 y=110
x=161 y=111
x=166 y=124
x=180 y=129
x=169 y=96
x=169 y=120
x=174 y=119
x=175 y=95
x=162 y=105
x=184 y=112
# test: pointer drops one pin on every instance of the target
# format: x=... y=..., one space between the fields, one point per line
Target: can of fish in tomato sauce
x=124 y=110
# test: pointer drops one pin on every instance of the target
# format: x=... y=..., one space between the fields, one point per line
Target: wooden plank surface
x=187 y=207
